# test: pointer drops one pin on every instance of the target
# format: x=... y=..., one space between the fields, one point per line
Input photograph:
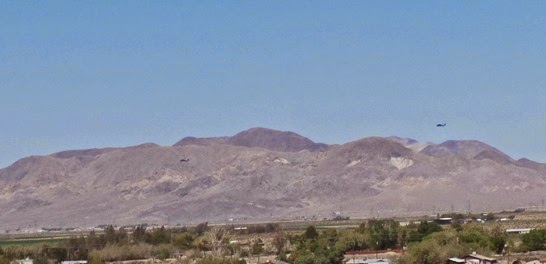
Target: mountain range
x=263 y=175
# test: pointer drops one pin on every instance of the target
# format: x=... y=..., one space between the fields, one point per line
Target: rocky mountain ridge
x=263 y=175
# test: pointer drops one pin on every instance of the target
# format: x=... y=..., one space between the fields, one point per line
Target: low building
x=367 y=261
x=518 y=230
x=275 y=262
x=534 y=262
x=74 y=262
x=373 y=254
x=456 y=261
x=479 y=259
x=25 y=261
x=443 y=221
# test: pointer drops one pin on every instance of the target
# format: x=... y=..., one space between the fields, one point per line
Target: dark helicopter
x=441 y=125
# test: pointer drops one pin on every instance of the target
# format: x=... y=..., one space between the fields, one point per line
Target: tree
x=434 y=249
x=93 y=241
x=534 y=240
x=218 y=239
x=271 y=227
x=202 y=244
x=40 y=259
x=121 y=236
x=160 y=236
x=57 y=253
x=324 y=248
x=257 y=247
x=475 y=238
x=349 y=240
x=139 y=234
x=383 y=234
x=279 y=241
x=233 y=248
x=490 y=217
x=76 y=247
x=201 y=228
x=310 y=233
x=110 y=235
x=427 y=228
x=183 y=241
x=423 y=229
x=498 y=239
x=302 y=256
x=163 y=253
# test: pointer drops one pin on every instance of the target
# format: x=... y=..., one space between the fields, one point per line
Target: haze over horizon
x=84 y=75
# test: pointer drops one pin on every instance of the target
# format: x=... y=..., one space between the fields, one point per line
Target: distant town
x=517 y=236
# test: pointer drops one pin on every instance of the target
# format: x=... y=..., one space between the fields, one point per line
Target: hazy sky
x=81 y=74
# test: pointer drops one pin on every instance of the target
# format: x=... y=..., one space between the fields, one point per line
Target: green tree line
x=425 y=242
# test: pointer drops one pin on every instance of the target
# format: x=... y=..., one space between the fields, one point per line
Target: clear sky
x=82 y=74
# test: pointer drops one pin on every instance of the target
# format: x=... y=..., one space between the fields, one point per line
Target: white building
x=25 y=261
x=74 y=262
x=518 y=230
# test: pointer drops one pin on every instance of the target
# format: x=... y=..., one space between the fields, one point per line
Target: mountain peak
x=259 y=137
x=376 y=146
x=469 y=149
x=273 y=140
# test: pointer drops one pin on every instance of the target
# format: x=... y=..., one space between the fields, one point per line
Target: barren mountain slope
x=262 y=174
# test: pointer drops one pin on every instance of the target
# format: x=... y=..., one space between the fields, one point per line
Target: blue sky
x=81 y=74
